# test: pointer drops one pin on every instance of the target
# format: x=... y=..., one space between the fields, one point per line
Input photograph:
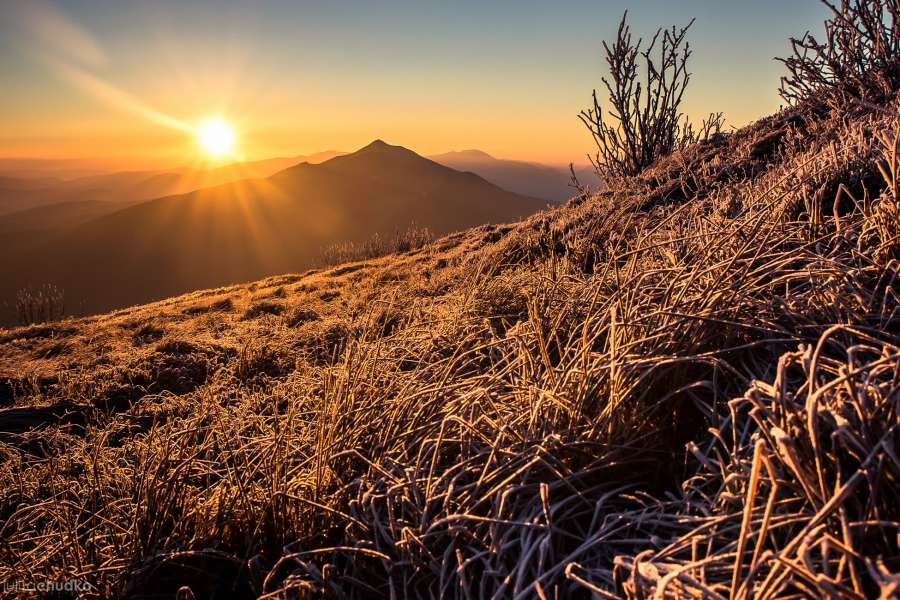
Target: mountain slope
x=62 y=215
x=253 y=228
x=19 y=194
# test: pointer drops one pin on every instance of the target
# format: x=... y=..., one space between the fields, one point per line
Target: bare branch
x=644 y=122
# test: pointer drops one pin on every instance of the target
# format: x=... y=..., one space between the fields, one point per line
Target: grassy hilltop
x=687 y=384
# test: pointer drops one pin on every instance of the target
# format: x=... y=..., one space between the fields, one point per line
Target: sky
x=128 y=81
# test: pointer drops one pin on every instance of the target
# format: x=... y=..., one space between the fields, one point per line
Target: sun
x=216 y=137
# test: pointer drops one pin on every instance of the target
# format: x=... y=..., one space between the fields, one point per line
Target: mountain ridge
x=255 y=227
x=545 y=181
x=22 y=193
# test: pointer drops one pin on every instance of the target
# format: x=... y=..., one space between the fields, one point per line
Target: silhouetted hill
x=57 y=216
x=254 y=228
x=17 y=194
x=51 y=168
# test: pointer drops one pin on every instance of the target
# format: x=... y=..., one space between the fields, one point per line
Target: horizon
x=129 y=84
x=105 y=166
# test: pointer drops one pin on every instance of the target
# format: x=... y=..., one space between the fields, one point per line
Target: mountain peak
x=378 y=144
x=474 y=153
x=378 y=149
x=470 y=154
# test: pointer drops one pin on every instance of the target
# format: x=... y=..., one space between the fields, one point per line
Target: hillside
x=19 y=194
x=686 y=385
x=533 y=179
x=252 y=228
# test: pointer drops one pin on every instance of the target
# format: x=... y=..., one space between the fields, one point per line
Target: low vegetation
x=685 y=385
x=858 y=60
x=407 y=240
x=41 y=304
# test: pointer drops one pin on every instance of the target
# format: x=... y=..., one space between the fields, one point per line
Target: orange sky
x=127 y=82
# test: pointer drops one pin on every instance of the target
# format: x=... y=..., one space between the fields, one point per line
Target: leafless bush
x=407 y=240
x=46 y=303
x=858 y=60
x=645 y=121
x=411 y=239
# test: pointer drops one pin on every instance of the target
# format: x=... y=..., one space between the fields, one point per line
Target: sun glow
x=216 y=137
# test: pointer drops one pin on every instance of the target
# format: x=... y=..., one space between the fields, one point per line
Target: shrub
x=411 y=239
x=645 y=121
x=858 y=60
x=378 y=245
x=46 y=303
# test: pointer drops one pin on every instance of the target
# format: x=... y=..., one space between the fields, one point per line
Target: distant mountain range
x=52 y=168
x=248 y=229
x=26 y=185
x=535 y=179
x=38 y=184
